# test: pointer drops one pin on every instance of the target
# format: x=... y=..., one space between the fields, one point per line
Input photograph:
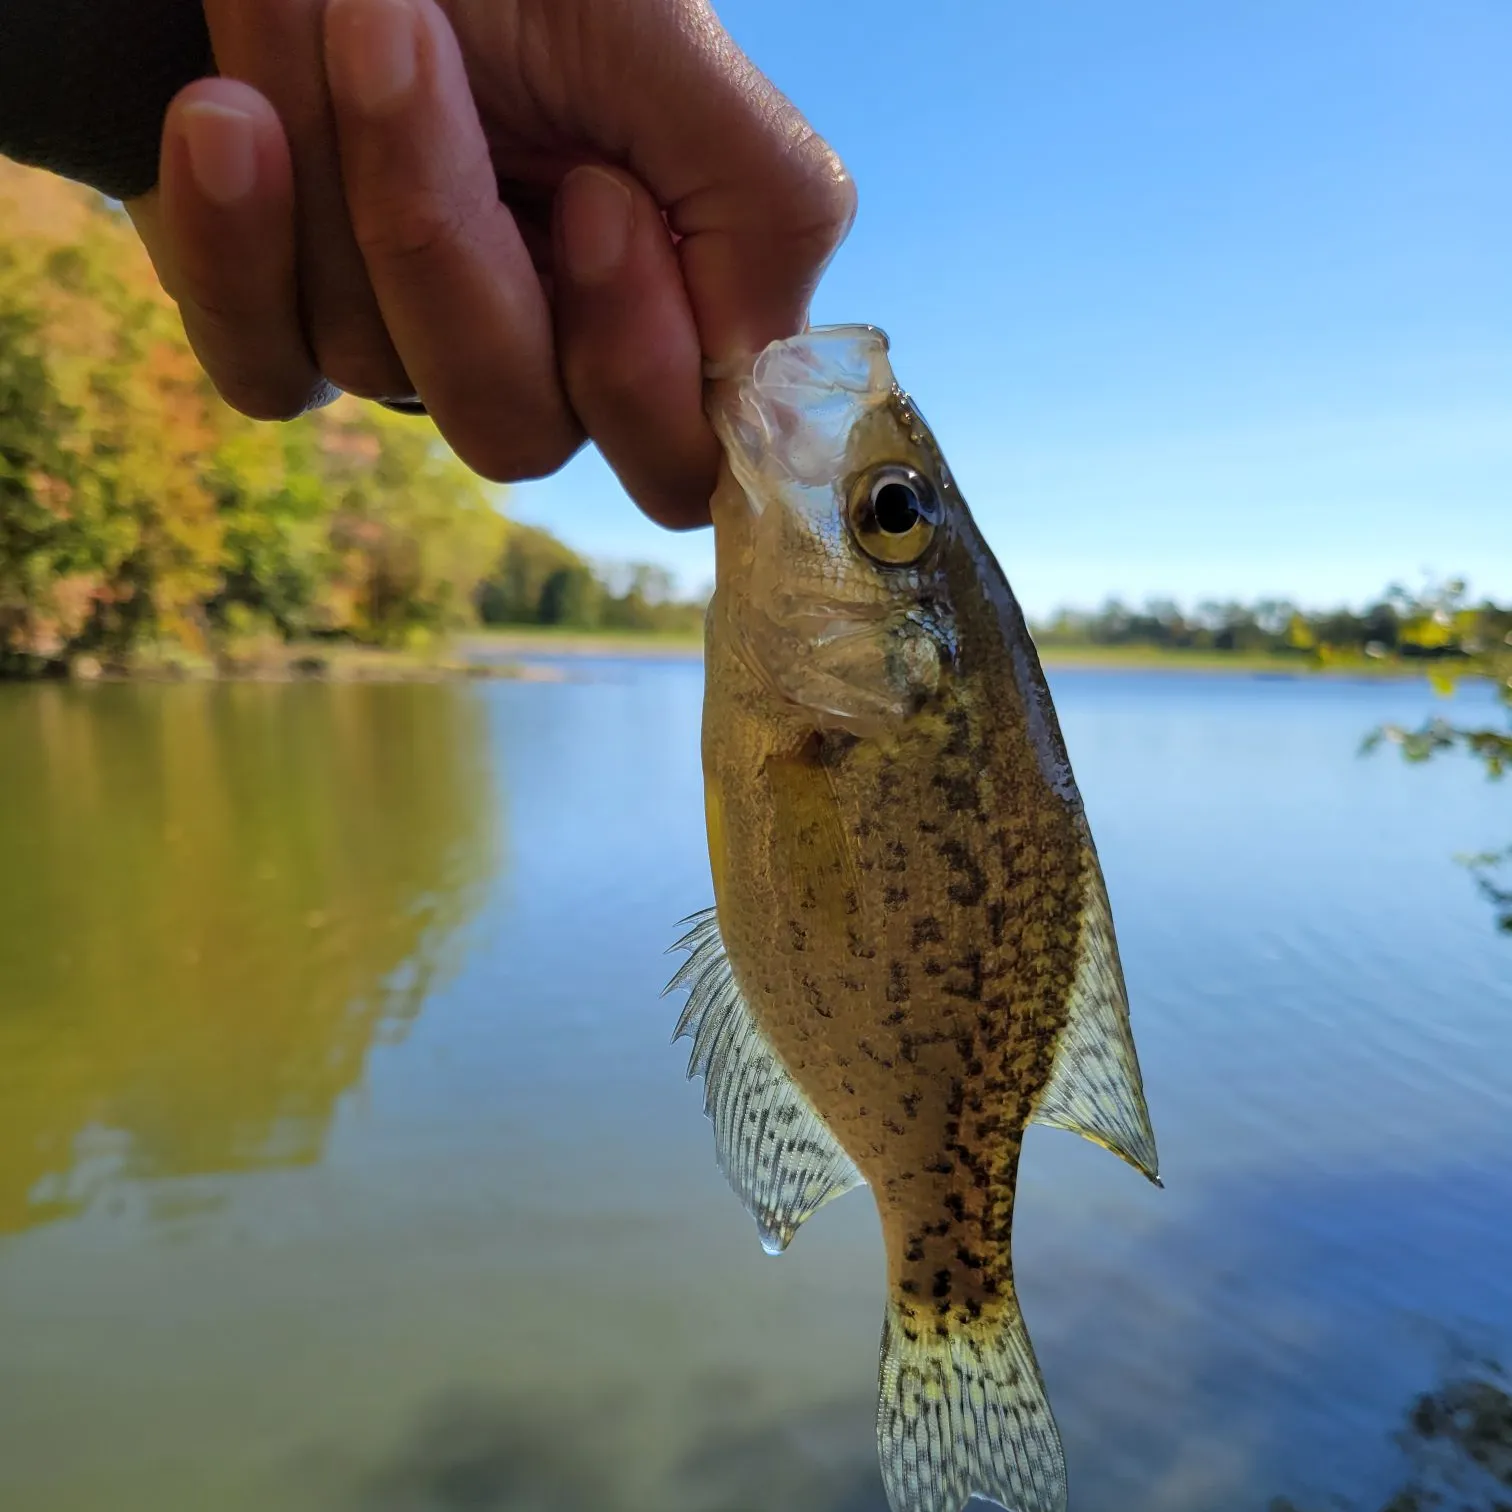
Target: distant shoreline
x=517 y=654
x=613 y=645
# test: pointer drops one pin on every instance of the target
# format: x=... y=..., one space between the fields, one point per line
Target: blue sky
x=1201 y=299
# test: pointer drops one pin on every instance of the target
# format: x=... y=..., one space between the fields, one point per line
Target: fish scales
x=918 y=1011
x=910 y=956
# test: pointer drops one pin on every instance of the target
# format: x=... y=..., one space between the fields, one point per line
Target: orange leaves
x=120 y=469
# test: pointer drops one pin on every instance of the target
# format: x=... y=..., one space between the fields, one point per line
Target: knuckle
x=411 y=229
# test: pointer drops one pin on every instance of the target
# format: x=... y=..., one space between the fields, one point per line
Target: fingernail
x=372 y=61
x=596 y=212
x=222 y=150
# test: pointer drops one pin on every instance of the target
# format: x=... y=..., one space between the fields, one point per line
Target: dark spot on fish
x=958 y=722
x=927 y=931
x=893 y=898
x=896 y=1016
x=897 y=982
x=963 y=794
x=934 y=967
x=928 y=827
x=846 y=1087
x=897 y=857
x=851 y=984
x=942 y=1331
x=835 y=745
x=973 y=1309
x=955 y=1205
x=892 y=1125
x=941 y=1167
x=915 y=1252
x=969 y=1259
x=910 y=1103
x=969 y=989
x=972 y=886
x=941 y=1287
x=797 y=936
x=858 y=947
x=908 y=1288
x=815 y=998
x=997 y=914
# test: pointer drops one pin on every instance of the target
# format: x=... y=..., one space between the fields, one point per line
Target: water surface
x=345 y=1165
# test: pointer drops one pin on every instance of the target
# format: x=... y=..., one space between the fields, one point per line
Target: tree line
x=137 y=509
x=1438 y=624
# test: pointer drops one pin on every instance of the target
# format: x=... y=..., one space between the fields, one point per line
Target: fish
x=911 y=954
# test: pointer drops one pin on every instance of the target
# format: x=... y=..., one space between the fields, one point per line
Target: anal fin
x=777 y=1153
x=1095 y=1087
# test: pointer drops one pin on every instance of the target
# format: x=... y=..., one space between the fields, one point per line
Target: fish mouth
x=786 y=415
x=741 y=367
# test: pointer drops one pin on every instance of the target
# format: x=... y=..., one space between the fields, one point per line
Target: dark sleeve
x=84 y=84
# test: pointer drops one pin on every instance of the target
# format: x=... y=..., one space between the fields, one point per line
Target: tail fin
x=965 y=1414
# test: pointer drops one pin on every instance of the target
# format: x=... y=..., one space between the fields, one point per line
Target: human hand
x=538 y=216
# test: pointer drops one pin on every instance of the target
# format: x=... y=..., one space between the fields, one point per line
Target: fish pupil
x=896 y=509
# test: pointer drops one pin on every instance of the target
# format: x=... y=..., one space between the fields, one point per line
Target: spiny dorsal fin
x=776 y=1151
x=1095 y=1087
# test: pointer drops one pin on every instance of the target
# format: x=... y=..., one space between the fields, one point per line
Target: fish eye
x=893 y=514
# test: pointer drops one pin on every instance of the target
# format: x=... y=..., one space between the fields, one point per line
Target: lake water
x=346 y=1166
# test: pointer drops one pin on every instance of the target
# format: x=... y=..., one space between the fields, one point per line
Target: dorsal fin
x=776 y=1151
x=1095 y=1087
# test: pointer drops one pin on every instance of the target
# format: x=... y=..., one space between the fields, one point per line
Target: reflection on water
x=299 y=1262
x=212 y=901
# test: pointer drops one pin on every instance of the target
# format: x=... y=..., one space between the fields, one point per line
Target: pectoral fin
x=1095 y=1087
x=810 y=843
x=776 y=1151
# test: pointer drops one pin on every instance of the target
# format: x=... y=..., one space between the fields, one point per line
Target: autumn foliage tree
x=136 y=508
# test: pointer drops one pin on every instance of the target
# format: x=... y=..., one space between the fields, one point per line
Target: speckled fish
x=911 y=956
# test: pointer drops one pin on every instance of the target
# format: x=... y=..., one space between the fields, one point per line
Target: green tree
x=1471 y=642
x=136 y=507
x=513 y=592
x=572 y=596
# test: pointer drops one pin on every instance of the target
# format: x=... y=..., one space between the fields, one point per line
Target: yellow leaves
x=1299 y=634
x=123 y=469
